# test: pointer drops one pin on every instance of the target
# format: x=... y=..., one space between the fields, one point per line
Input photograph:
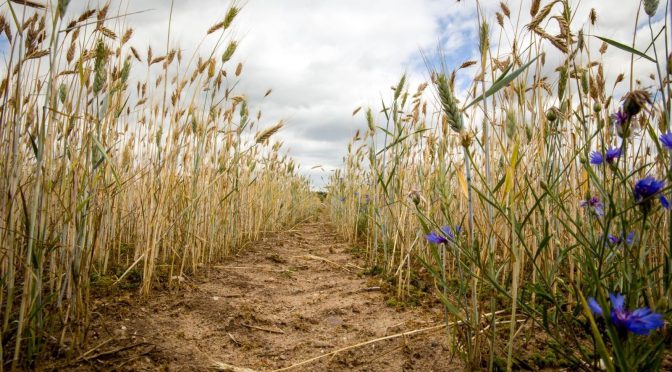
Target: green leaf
x=398 y=141
x=107 y=159
x=625 y=48
x=501 y=82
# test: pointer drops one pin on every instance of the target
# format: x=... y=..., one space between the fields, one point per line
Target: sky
x=325 y=58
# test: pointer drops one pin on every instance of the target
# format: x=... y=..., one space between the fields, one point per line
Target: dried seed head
x=102 y=13
x=466 y=139
x=463 y=65
x=264 y=135
x=505 y=9
x=136 y=54
x=71 y=52
x=534 y=8
x=416 y=197
x=107 y=32
x=593 y=16
x=215 y=27
x=619 y=78
x=8 y=32
x=84 y=16
x=541 y=15
x=211 y=68
x=127 y=36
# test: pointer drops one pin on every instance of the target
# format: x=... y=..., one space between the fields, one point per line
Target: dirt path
x=293 y=296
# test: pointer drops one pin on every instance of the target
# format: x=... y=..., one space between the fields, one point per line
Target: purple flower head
x=593 y=203
x=619 y=118
x=640 y=321
x=445 y=234
x=621 y=121
x=612 y=154
x=646 y=188
x=342 y=199
x=614 y=240
x=594 y=306
x=666 y=140
x=449 y=232
x=435 y=238
x=597 y=158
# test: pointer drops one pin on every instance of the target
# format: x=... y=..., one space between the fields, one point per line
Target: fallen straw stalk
x=390 y=337
x=227 y=367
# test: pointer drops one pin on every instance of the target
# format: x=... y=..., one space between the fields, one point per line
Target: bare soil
x=293 y=296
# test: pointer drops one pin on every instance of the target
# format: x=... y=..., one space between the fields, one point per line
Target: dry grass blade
x=220 y=366
x=355 y=346
x=269 y=330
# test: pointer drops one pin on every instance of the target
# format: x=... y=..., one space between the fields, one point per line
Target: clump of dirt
x=292 y=296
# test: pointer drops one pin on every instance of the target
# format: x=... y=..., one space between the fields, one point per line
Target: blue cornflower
x=595 y=204
x=666 y=140
x=640 y=321
x=597 y=158
x=446 y=234
x=614 y=240
x=450 y=233
x=648 y=187
x=594 y=306
x=435 y=238
x=619 y=118
x=342 y=199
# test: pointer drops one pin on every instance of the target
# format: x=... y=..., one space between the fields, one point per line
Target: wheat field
x=518 y=198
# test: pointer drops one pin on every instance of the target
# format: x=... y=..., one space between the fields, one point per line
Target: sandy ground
x=290 y=297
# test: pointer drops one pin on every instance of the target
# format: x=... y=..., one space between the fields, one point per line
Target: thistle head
x=635 y=101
